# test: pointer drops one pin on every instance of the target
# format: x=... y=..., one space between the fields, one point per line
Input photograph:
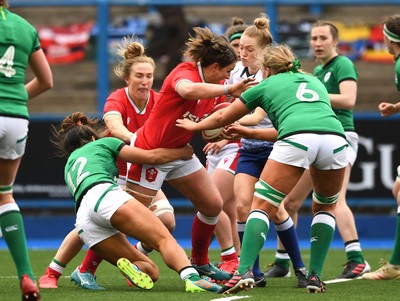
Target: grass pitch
x=171 y=288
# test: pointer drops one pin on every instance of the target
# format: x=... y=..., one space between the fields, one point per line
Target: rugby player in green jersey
x=19 y=48
x=309 y=137
x=339 y=75
x=106 y=214
x=391 y=32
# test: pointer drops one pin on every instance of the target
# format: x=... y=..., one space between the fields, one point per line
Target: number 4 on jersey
x=7 y=62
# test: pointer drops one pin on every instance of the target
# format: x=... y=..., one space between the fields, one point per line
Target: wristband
x=225 y=89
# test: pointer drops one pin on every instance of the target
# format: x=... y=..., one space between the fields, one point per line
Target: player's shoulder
x=119 y=91
x=185 y=66
x=342 y=61
x=238 y=69
x=110 y=142
x=19 y=21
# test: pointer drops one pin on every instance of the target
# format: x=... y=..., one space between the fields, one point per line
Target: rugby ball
x=211 y=135
x=214 y=134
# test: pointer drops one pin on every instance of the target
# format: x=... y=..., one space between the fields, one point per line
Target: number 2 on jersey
x=79 y=175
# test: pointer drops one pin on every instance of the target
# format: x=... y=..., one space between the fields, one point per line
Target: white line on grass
x=230 y=298
x=341 y=280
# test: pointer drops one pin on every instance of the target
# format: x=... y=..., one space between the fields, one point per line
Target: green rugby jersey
x=295 y=103
x=340 y=68
x=18 y=40
x=92 y=164
x=397 y=73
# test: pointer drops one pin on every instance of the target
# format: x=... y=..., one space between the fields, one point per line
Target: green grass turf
x=171 y=288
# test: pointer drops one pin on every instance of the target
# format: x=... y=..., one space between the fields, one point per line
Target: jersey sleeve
x=114 y=105
x=253 y=96
x=113 y=144
x=183 y=75
x=36 y=42
x=34 y=36
x=346 y=70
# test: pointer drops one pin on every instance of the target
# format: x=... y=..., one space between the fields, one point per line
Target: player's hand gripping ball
x=214 y=135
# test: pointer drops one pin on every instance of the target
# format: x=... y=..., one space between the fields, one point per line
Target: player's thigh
x=396 y=190
x=281 y=176
x=118 y=246
x=327 y=182
x=244 y=189
x=8 y=171
x=160 y=196
x=224 y=181
x=199 y=188
x=295 y=199
x=137 y=221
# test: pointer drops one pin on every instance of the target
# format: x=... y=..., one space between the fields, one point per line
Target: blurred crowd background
x=69 y=35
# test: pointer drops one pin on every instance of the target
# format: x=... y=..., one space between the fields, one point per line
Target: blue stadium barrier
x=375 y=231
x=182 y=203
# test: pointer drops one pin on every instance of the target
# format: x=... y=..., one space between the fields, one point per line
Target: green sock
x=353 y=251
x=355 y=256
x=13 y=231
x=281 y=260
x=257 y=228
x=396 y=250
x=322 y=230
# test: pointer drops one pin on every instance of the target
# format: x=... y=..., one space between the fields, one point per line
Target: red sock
x=90 y=262
x=50 y=271
x=201 y=239
x=230 y=257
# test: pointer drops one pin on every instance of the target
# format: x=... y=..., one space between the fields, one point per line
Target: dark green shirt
x=18 y=40
x=339 y=69
x=397 y=73
x=91 y=164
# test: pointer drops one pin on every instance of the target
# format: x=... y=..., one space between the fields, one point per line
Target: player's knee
x=168 y=220
x=330 y=200
x=396 y=189
x=278 y=215
x=291 y=208
x=160 y=207
x=267 y=193
x=165 y=212
x=242 y=211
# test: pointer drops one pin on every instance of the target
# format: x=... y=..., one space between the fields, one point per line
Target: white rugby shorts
x=325 y=152
x=352 y=139
x=13 y=136
x=153 y=176
x=94 y=214
x=226 y=159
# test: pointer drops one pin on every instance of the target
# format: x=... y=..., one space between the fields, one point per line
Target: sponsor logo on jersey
x=327 y=76
x=193 y=117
